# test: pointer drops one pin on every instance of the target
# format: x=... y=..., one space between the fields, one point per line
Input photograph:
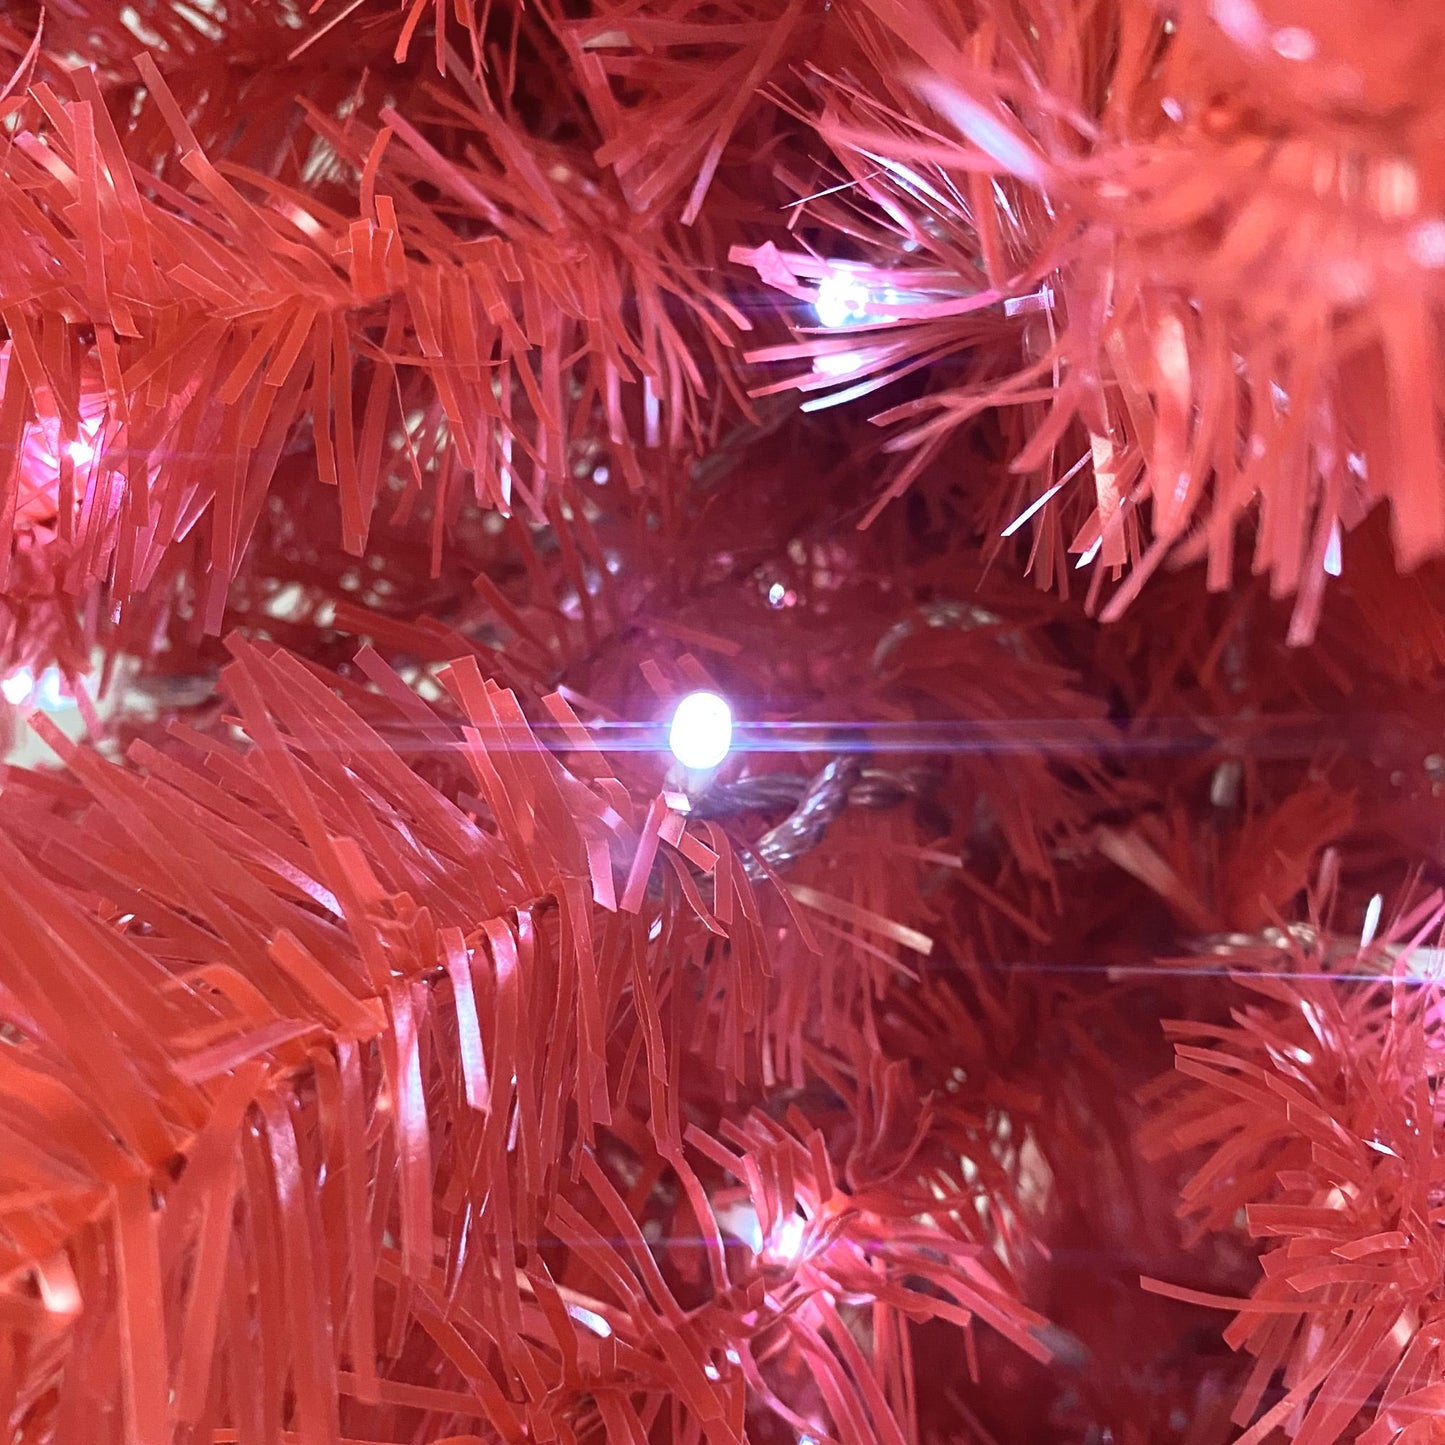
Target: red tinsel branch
x=1315 y=1113
x=296 y=1079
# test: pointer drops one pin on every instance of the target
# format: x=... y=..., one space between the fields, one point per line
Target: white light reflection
x=838 y=363
x=786 y=1244
x=591 y=1320
x=1040 y=300
x=1372 y=920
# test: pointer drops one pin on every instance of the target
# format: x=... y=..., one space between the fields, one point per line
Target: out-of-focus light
x=740 y=1219
x=59 y=1292
x=783 y=1246
x=1424 y=965
x=1295 y=43
x=840 y=301
x=702 y=731
x=786 y=1246
x=50 y=692
x=1426 y=244
x=81 y=452
x=17 y=686
x=47 y=691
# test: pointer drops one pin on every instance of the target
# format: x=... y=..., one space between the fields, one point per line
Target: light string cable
x=844 y=782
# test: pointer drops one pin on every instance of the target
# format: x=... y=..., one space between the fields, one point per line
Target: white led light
x=50 y=693
x=702 y=731
x=840 y=302
x=17 y=686
x=787 y=1245
x=740 y=1219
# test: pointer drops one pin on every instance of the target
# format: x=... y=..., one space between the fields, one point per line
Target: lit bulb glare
x=702 y=731
x=17 y=686
x=787 y=1244
x=59 y=1292
x=840 y=302
x=50 y=692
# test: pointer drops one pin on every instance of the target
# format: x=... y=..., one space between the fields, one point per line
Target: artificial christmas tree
x=740 y=712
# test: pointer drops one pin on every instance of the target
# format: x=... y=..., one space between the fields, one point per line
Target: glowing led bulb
x=840 y=302
x=702 y=731
x=787 y=1246
x=17 y=686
